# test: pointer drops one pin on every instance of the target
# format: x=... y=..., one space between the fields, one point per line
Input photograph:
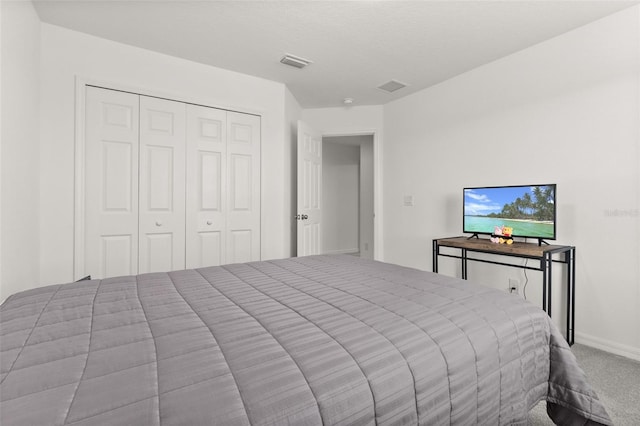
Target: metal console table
x=544 y=254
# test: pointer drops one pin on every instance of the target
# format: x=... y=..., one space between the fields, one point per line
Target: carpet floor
x=615 y=379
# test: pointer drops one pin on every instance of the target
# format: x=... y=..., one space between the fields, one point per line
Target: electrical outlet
x=514 y=286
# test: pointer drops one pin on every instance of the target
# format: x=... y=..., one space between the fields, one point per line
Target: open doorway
x=348 y=195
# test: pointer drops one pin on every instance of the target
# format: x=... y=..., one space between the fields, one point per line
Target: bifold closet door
x=168 y=185
x=243 y=187
x=162 y=185
x=223 y=187
x=206 y=186
x=111 y=183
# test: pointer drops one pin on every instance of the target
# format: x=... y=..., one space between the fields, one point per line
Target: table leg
x=571 y=294
x=550 y=278
x=543 y=267
x=464 y=264
x=435 y=251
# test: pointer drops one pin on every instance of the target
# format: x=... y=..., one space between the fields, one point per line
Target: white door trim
x=79 y=179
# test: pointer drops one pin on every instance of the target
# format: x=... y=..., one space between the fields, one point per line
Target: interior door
x=309 y=215
x=162 y=185
x=206 y=186
x=111 y=183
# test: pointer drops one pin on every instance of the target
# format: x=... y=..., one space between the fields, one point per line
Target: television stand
x=541 y=242
x=475 y=235
x=544 y=254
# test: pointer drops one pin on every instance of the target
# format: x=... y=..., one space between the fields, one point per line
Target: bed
x=318 y=340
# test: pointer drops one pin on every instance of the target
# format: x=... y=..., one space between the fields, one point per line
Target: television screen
x=529 y=209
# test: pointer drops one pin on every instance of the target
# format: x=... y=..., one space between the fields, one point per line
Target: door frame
x=378 y=254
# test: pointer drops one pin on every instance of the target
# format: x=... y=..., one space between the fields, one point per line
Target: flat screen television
x=529 y=209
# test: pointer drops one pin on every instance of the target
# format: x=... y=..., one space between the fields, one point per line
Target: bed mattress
x=319 y=340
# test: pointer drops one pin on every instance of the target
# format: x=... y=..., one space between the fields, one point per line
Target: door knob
x=158 y=223
x=209 y=222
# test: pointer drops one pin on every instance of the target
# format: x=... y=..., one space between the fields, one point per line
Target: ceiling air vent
x=295 y=61
x=392 y=86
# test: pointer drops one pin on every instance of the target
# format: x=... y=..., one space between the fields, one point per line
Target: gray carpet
x=615 y=379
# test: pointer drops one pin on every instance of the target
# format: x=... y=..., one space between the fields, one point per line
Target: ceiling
x=354 y=46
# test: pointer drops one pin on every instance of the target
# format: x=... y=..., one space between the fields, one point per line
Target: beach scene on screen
x=529 y=210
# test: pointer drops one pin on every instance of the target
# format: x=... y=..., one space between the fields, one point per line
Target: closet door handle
x=209 y=222
x=158 y=223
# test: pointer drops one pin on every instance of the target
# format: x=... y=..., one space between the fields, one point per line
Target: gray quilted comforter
x=321 y=340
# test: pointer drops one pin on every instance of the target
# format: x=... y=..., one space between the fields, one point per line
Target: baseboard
x=608 y=346
x=343 y=251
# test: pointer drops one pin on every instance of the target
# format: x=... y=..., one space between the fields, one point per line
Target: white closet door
x=162 y=185
x=111 y=183
x=243 y=187
x=206 y=186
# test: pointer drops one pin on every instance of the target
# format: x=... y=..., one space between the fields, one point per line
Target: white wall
x=358 y=120
x=565 y=111
x=19 y=164
x=340 y=197
x=346 y=120
x=67 y=54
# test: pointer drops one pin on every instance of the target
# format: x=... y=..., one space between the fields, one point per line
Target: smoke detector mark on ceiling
x=295 y=61
x=392 y=86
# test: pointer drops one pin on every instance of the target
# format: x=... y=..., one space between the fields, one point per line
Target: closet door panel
x=241 y=182
x=208 y=250
x=243 y=213
x=206 y=186
x=159 y=254
x=162 y=185
x=117 y=255
x=111 y=183
x=241 y=245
